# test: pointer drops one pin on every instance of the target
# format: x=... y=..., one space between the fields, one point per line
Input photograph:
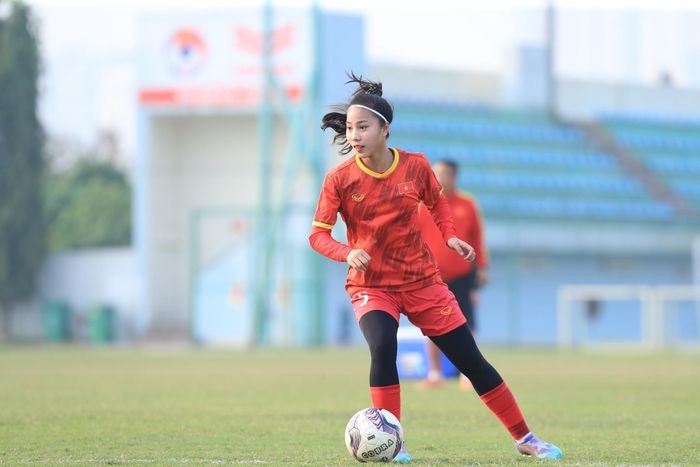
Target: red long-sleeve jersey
x=380 y=211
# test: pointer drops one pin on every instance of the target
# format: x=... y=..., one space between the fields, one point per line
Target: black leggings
x=458 y=345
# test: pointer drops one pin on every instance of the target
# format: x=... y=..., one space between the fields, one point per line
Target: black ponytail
x=364 y=86
x=368 y=94
x=336 y=122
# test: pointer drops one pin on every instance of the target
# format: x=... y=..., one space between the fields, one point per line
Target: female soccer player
x=391 y=270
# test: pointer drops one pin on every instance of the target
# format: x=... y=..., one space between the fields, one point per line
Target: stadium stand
x=671 y=148
x=527 y=165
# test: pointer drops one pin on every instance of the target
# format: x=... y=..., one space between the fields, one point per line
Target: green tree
x=21 y=159
x=89 y=205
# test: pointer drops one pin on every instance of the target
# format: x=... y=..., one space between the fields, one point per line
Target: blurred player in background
x=391 y=269
x=463 y=278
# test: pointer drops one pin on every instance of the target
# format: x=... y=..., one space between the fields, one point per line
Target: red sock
x=387 y=397
x=502 y=403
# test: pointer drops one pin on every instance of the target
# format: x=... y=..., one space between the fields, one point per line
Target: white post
x=696 y=260
x=696 y=277
x=646 y=321
x=565 y=336
x=656 y=318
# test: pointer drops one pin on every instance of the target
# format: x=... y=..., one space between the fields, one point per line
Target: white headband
x=371 y=110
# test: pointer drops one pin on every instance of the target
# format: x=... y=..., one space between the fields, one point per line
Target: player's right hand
x=464 y=249
x=359 y=259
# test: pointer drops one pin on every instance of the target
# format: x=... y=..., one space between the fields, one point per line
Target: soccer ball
x=373 y=435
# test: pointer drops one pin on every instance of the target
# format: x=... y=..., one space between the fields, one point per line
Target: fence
x=669 y=315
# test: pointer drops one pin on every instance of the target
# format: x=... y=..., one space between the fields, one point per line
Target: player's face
x=365 y=132
x=445 y=176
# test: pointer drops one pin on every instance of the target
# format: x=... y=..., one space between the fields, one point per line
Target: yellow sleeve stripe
x=322 y=225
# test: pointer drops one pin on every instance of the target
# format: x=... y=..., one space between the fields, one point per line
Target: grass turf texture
x=112 y=406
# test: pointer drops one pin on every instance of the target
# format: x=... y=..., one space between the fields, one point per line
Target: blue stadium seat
x=669 y=146
x=524 y=164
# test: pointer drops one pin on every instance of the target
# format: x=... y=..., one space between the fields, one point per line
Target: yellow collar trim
x=374 y=174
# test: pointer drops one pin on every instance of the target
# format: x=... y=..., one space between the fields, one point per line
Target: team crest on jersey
x=358 y=197
x=446 y=311
x=406 y=187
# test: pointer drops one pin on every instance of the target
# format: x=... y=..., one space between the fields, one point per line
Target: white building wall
x=196 y=162
x=590 y=100
x=83 y=279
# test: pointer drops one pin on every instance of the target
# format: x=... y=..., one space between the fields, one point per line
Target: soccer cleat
x=403 y=457
x=531 y=445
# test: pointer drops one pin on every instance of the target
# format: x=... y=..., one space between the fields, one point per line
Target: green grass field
x=119 y=406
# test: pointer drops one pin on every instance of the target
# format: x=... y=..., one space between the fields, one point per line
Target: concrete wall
x=575 y=98
x=586 y=100
x=198 y=163
x=83 y=279
x=449 y=85
x=529 y=262
x=519 y=305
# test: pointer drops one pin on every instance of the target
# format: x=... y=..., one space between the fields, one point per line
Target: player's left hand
x=463 y=248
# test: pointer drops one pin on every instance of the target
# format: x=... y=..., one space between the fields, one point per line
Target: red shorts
x=433 y=309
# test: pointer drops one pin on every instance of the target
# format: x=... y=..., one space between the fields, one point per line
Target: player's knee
x=379 y=329
x=383 y=348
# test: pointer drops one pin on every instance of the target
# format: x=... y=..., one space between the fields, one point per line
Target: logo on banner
x=252 y=41
x=186 y=50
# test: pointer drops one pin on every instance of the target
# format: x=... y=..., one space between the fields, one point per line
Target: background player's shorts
x=462 y=288
x=433 y=309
